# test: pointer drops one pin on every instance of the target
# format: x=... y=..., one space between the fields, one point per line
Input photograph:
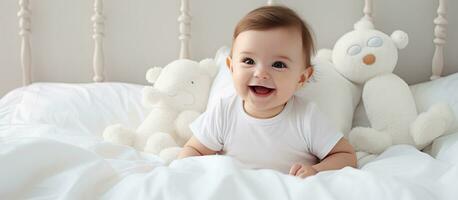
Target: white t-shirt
x=300 y=133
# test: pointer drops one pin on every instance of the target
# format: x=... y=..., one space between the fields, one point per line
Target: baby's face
x=267 y=68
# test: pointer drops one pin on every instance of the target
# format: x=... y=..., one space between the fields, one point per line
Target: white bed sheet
x=59 y=168
x=51 y=158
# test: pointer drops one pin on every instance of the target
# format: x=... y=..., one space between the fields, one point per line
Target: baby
x=265 y=125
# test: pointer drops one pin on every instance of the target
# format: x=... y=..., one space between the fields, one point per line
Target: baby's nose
x=261 y=72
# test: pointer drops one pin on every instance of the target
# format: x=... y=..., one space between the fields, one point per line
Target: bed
x=51 y=143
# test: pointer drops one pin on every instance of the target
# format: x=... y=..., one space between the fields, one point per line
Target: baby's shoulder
x=225 y=104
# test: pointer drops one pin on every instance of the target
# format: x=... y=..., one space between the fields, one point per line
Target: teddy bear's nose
x=369 y=59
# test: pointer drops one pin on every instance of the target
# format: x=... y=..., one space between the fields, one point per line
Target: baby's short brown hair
x=270 y=17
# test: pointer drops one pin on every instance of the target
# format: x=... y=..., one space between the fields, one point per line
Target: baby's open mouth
x=261 y=90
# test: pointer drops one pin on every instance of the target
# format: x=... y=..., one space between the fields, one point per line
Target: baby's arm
x=194 y=148
x=340 y=156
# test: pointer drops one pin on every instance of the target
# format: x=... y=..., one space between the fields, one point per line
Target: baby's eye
x=248 y=61
x=279 y=65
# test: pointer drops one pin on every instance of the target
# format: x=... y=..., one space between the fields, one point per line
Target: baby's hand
x=302 y=170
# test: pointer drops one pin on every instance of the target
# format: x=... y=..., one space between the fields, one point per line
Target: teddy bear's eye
x=353 y=50
x=192 y=82
x=374 y=42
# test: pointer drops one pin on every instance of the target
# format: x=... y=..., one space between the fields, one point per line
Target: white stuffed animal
x=368 y=57
x=179 y=94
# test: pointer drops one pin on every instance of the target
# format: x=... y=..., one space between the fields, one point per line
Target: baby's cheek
x=288 y=86
x=285 y=94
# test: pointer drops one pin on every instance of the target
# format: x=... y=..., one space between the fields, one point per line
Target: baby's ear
x=302 y=79
x=309 y=72
x=229 y=63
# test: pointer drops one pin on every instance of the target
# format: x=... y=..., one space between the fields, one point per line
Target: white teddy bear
x=179 y=94
x=368 y=57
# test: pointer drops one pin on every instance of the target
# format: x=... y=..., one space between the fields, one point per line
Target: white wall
x=143 y=33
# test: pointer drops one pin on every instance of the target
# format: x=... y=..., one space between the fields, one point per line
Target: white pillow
x=222 y=84
x=426 y=94
x=336 y=96
x=444 y=89
x=87 y=108
x=445 y=148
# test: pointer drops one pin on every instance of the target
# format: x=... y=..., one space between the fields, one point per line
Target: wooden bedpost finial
x=368 y=10
x=24 y=33
x=98 y=61
x=185 y=29
x=440 y=33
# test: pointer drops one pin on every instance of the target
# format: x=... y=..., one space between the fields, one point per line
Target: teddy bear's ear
x=150 y=96
x=152 y=74
x=400 y=39
x=209 y=66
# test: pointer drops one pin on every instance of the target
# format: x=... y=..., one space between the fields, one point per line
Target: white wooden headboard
x=184 y=20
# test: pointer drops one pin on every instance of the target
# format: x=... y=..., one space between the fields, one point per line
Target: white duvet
x=50 y=151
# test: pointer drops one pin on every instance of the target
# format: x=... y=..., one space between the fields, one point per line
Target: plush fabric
x=367 y=56
x=444 y=90
x=178 y=95
x=426 y=94
x=336 y=96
